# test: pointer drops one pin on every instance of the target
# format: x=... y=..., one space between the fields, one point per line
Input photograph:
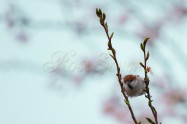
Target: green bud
x=111 y=35
x=100 y=12
x=101 y=21
x=97 y=12
x=127 y=102
x=150 y=102
x=145 y=41
x=149 y=120
x=104 y=16
x=147 y=57
x=106 y=26
x=142 y=46
x=142 y=64
x=111 y=56
x=154 y=109
x=109 y=45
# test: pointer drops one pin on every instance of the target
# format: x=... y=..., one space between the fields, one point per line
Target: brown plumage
x=129 y=78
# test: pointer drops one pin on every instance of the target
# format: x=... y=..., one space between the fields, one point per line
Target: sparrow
x=133 y=85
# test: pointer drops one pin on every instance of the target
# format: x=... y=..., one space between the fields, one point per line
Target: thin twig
x=146 y=79
x=102 y=17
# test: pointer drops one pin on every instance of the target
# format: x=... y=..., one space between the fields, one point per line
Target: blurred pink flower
x=22 y=37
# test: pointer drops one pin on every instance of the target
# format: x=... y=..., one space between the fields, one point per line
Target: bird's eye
x=130 y=81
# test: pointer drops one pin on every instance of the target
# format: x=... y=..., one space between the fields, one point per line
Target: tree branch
x=146 y=80
x=102 y=17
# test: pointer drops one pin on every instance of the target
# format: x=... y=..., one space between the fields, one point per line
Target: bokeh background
x=55 y=67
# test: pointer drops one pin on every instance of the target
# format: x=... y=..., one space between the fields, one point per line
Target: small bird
x=133 y=85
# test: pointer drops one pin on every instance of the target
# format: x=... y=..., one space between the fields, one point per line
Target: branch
x=146 y=80
x=102 y=18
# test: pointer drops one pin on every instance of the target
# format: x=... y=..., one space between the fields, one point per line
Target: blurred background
x=55 y=67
